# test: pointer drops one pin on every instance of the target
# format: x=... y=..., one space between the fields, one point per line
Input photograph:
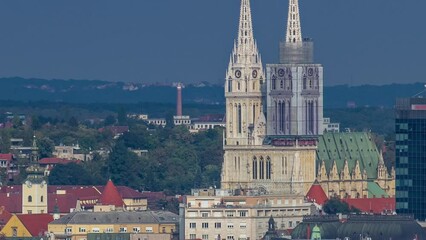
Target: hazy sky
x=357 y=41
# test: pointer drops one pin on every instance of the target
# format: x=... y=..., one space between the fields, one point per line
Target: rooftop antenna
x=419 y=95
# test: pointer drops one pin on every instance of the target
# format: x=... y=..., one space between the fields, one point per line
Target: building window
x=230 y=226
x=14 y=231
x=262 y=168
x=230 y=237
x=218 y=225
x=192 y=236
x=68 y=230
x=109 y=230
x=41 y=199
x=254 y=168
x=230 y=213
x=243 y=213
x=268 y=168
x=204 y=225
x=136 y=229
x=204 y=214
x=95 y=230
x=205 y=236
x=243 y=225
x=30 y=198
x=123 y=229
x=192 y=225
x=148 y=229
x=290 y=224
x=82 y=229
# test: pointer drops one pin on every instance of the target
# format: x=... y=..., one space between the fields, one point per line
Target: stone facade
x=241 y=217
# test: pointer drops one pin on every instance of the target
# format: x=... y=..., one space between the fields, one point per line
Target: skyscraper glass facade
x=410 y=153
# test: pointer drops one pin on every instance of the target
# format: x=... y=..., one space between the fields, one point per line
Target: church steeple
x=294 y=29
x=245 y=50
x=244 y=80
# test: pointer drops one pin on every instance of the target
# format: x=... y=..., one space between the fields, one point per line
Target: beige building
x=241 y=217
x=76 y=225
x=351 y=166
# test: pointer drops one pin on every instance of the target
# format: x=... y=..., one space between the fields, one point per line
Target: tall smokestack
x=179 y=100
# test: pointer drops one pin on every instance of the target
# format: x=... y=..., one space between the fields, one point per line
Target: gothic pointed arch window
x=262 y=168
x=239 y=119
x=30 y=198
x=254 y=170
x=268 y=168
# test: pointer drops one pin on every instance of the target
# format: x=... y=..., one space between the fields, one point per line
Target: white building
x=241 y=217
x=331 y=127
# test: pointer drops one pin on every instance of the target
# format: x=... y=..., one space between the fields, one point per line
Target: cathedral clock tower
x=243 y=87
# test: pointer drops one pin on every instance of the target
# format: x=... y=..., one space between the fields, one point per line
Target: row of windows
x=259 y=168
x=111 y=230
x=30 y=198
x=217 y=225
x=206 y=237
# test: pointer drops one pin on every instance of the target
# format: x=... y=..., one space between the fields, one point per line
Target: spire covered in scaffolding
x=294 y=29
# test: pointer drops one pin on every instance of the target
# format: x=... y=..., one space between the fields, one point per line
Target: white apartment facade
x=241 y=217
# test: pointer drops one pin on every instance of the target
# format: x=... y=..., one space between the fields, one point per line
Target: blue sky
x=357 y=41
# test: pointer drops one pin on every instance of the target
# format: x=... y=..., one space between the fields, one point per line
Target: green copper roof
x=351 y=146
x=374 y=190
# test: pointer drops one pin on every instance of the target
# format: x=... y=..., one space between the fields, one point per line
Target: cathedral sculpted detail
x=272 y=120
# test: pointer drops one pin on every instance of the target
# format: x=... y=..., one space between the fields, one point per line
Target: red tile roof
x=316 y=194
x=7 y=156
x=129 y=193
x=372 y=205
x=4 y=216
x=110 y=196
x=12 y=202
x=36 y=224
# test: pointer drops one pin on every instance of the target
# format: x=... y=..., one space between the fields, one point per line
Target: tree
x=122 y=116
x=123 y=166
x=69 y=174
x=35 y=123
x=73 y=122
x=335 y=205
x=45 y=146
x=110 y=120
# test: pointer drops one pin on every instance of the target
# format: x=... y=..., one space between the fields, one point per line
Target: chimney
x=179 y=100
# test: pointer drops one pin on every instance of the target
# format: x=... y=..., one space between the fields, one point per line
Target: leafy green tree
x=45 y=146
x=122 y=116
x=97 y=169
x=335 y=205
x=73 y=122
x=123 y=166
x=69 y=174
x=110 y=120
x=35 y=123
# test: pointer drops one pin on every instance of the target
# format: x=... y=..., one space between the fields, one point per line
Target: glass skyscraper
x=410 y=153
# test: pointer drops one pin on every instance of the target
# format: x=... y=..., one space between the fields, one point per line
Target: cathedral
x=274 y=141
x=273 y=116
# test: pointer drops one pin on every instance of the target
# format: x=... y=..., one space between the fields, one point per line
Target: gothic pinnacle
x=294 y=29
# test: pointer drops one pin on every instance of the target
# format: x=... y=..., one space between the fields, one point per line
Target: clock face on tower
x=281 y=72
x=254 y=74
x=238 y=74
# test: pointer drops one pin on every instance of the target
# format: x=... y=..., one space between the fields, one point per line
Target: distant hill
x=91 y=91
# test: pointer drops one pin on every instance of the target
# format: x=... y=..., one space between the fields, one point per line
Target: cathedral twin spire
x=294 y=30
x=245 y=47
x=245 y=50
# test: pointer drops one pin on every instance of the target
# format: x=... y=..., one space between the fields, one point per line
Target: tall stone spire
x=244 y=81
x=294 y=29
x=245 y=48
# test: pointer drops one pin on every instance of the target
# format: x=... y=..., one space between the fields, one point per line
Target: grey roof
x=155 y=217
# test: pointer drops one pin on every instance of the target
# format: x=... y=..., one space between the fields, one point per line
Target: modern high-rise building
x=410 y=153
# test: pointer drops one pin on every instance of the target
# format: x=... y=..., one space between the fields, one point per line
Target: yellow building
x=27 y=225
x=34 y=191
x=77 y=225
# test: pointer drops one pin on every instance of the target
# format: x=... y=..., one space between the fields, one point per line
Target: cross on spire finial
x=294 y=29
